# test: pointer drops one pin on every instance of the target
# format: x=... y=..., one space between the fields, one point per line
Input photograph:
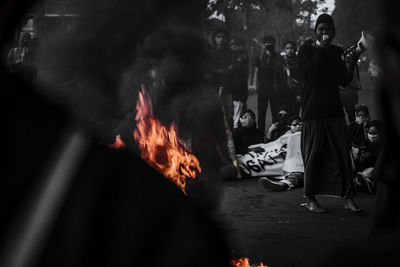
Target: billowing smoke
x=96 y=67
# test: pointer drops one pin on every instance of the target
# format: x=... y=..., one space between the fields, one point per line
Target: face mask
x=373 y=138
x=269 y=47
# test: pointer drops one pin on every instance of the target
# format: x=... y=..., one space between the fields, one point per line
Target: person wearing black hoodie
x=324 y=145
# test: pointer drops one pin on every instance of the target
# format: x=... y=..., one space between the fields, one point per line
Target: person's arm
x=271 y=130
x=312 y=61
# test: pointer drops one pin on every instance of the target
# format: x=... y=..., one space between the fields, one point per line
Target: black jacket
x=244 y=137
x=322 y=70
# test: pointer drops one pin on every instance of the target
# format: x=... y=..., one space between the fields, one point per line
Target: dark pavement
x=273 y=227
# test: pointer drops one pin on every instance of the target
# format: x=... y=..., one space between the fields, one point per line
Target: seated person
x=280 y=127
x=294 y=124
x=356 y=129
x=294 y=176
x=246 y=133
x=365 y=159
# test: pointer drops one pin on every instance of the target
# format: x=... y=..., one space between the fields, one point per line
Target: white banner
x=294 y=160
x=273 y=158
x=264 y=159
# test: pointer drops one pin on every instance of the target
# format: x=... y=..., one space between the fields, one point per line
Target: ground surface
x=273 y=228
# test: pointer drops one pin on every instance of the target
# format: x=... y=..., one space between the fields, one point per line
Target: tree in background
x=250 y=20
x=351 y=17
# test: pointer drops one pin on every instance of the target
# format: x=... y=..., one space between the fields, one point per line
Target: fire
x=118 y=143
x=160 y=147
x=244 y=262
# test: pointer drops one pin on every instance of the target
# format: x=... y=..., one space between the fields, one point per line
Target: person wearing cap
x=324 y=141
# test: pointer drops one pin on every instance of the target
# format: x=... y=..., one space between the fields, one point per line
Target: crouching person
x=365 y=159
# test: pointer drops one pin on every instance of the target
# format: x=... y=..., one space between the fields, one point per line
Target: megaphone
x=365 y=43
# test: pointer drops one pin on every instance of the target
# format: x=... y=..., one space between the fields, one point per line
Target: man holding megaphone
x=327 y=163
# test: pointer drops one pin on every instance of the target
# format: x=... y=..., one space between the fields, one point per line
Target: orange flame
x=118 y=143
x=244 y=262
x=160 y=147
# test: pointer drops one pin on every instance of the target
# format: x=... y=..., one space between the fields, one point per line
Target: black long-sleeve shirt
x=322 y=70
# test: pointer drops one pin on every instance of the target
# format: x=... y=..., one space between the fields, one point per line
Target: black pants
x=327 y=163
x=262 y=105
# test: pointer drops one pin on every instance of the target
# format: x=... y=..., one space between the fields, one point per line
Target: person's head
x=248 y=119
x=362 y=114
x=269 y=42
x=374 y=131
x=295 y=124
x=220 y=38
x=290 y=48
x=283 y=114
x=324 y=26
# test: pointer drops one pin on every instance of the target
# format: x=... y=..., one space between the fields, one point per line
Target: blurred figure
x=70 y=200
x=20 y=57
x=222 y=58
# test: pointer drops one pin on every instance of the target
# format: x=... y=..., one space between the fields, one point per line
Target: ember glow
x=244 y=262
x=160 y=146
x=118 y=143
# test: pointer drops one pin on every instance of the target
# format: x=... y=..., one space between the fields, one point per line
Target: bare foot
x=313 y=206
x=349 y=204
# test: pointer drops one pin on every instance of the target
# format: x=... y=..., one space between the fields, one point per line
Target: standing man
x=269 y=73
x=325 y=150
x=290 y=89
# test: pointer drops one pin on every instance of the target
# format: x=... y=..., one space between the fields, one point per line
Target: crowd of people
x=304 y=90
